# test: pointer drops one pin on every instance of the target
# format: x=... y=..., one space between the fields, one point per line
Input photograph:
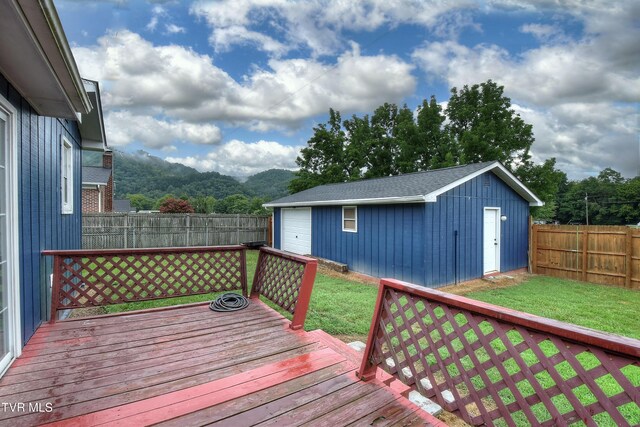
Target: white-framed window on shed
x=66 y=179
x=350 y=219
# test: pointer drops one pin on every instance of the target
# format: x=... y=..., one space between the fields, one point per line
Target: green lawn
x=605 y=308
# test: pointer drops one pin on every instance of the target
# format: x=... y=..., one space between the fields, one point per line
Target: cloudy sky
x=236 y=86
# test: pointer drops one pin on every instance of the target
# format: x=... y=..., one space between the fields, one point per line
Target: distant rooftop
x=95 y=175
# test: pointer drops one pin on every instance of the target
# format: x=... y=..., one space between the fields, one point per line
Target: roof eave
x=499 y=170
x=342 y=202
x=37 y=59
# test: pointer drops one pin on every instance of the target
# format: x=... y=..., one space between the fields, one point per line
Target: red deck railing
x=492 y=365
x=91 y=278
x=286 y=280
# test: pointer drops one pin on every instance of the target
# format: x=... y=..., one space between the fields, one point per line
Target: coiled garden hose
x=229 y=302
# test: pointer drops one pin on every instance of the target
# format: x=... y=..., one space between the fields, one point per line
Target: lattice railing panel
x=286 y=280
x=96 y=278
x=498 y=366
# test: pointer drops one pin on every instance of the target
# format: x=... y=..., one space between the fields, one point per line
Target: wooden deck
x=187 y=366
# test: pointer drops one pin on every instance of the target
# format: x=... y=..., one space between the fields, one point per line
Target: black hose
x=229 y=302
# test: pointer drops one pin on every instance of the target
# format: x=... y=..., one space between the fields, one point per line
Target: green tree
x=234 y=204
x=323 y=160
x=610 y=198
x=485 y=128
x=203 y=204
x=140 y=202
x=544 y=180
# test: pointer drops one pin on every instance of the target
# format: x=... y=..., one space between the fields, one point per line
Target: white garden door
x=296 y=230
x=491 y=240
x=9 y=315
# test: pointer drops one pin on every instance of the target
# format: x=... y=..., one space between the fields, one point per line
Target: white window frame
x=13 y=219
x=355 y=212
x=66 y=168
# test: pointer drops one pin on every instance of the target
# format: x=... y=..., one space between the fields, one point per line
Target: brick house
x=97 y=186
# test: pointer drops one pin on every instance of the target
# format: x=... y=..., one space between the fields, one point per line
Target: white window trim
x=67 y=208
x=355 y=208
x=13 y=242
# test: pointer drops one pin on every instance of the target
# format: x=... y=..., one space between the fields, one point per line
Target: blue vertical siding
x=41 y=224
x=418 y=242
x=461 y=209
x=388 y=242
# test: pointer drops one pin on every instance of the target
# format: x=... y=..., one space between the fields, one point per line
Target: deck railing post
x=368 y=369
x=304 y=296
x=55 y=289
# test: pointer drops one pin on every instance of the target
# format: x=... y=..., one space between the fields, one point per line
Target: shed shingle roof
x=412 y=187
x=95 y=175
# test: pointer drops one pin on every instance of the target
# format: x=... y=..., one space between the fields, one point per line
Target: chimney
x=107 y=159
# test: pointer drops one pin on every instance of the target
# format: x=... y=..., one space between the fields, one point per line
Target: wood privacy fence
x=158 y=230
x=608 y=255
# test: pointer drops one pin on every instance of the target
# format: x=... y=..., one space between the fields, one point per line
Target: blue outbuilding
x=431 y=228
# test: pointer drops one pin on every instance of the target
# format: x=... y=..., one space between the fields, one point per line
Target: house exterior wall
x=418 y=242
x=91 y=199
x=41 y=222
x=107 y=197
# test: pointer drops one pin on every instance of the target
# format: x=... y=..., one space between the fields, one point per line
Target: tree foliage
x=485 y=128
x=609 y=198
x=173 y=205
x=478 y=125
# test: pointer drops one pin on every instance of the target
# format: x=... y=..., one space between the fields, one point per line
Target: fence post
x=628 y=258
x=238 y=228
x=188 y=228
x=125 y=228
x=534 y=249
x=585 y=253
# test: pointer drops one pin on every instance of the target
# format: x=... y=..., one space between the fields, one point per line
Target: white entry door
x=296 y=230
x=9 y=341
x=491 y=240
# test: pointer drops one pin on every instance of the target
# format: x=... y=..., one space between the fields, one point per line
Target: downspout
x=455 y=257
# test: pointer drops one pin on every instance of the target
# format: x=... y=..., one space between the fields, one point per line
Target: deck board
x=186 y=366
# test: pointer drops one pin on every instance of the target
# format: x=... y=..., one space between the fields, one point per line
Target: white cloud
x=156 y=13
x=544 y=32
x=240 y=158
x=123 y=128
x=580 y=94
x=223 y=39
x=586 y=138
x=317 y=25
x=174 y=29
x=182 y=84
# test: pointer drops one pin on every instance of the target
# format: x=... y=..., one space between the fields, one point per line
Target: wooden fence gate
x=158 y=230
x=608 y=255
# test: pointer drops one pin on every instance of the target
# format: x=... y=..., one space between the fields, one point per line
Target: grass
x=601 y=307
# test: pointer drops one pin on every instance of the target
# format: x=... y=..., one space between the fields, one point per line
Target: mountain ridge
x=142 y=173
